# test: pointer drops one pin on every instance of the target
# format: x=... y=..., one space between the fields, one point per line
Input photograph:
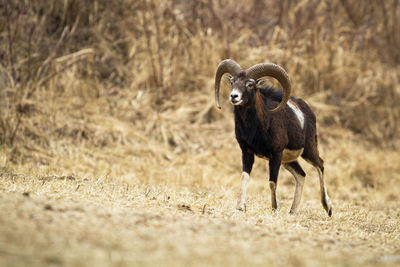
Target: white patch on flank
x=297 y=111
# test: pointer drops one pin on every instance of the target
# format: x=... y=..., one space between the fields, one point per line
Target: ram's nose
x=234 y=97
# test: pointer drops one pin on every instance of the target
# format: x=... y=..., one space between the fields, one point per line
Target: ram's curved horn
x=269 y=69
x=226 y=66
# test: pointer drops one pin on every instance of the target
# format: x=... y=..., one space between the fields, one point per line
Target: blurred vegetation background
x=99 y=73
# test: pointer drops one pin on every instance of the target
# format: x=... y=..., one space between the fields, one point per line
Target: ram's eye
x=249 y=84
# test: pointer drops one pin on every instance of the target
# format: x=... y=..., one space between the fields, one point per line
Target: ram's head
x=244 y=82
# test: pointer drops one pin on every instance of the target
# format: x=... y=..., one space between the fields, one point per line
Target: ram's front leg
x=274 y=165
x=247 y=162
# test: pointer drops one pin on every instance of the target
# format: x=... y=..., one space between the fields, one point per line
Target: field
x=112 y=152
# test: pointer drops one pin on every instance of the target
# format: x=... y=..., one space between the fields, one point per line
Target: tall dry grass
x=129 y=83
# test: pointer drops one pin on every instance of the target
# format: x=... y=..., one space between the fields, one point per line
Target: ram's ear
x=228 y=79
x=261 y=82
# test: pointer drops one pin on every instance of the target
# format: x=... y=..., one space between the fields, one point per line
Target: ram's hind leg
x=318 y=163
x=326 y=201
x=311 y=154
x=299 y=175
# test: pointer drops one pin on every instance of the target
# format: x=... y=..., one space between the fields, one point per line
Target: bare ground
x=68 y=220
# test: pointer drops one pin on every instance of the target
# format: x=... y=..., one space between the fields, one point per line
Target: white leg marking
x=299 y=189
x=242 y=200
x=272 y=186
x=299 y=114
x=326 y=201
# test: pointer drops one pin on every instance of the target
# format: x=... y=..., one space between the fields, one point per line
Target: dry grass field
x=112 y=152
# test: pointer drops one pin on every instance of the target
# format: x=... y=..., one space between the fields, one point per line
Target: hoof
x=327 y=204
x=330 y=212
x=293 y=212
x=328 y=209
x=274 y=212
x=241 y=207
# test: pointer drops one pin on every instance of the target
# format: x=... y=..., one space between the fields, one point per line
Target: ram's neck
x=248 y=118
x=253 y=116
x=250 y=132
